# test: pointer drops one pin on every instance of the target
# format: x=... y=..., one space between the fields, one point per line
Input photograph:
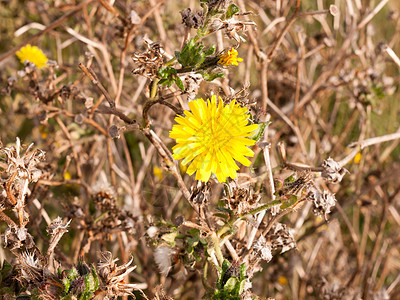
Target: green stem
x=170 y=62
x=217 y=248
x=262 y=207
x=154 y=87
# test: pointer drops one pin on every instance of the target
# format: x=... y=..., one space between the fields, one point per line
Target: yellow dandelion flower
x=212 y=137
x=67 y=175
x=33 y=54
x=357 y=158
x=230 y=58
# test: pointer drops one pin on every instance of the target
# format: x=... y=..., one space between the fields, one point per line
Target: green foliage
x=80 y=286
x=231 y=281
x=290 y=201
x=259 y=132
x=170 y=76
x=210 y=76
x=193 y=54
x=196 y=242
x=232 y=9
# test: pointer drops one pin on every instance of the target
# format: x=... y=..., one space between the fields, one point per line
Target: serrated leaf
x=96 y=278
x=66 y=284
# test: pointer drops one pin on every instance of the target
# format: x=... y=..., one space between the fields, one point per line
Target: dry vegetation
x=315 y=216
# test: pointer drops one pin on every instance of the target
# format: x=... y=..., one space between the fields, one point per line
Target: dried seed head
x=148 y=62
x=192 y=84
x=281 y=236
x=25 y=165
x=15 y=238
x=333 y=172
x=241 y=200
x=30 y=269
x=323 y=202
x=113 y=131
x=192 y=19
x=112 y=276
x=57 y=227
x=217 y=4
x=263 y=249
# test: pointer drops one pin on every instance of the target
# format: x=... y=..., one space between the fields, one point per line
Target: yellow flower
x=230 y=58
x=33 y=54
x=158 y=172
x=67 y=175
x=282 y=280
x=357 y=158
x=212 y=137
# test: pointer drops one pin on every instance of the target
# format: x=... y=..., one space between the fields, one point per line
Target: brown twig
x=53 y=25
x=93 y=77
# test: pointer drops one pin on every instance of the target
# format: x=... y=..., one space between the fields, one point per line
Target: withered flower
x=282 y=237
x=333 y=172
x=56 y=229
x=31 y=270
x=323 y=202
x=148 y=62
x=231 y=27
x=16 y=237
x=192 y=19
x=162 y=256
x=112 y=276
x=24 y=165
x=263 y=249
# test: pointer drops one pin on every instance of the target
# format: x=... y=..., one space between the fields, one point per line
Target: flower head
x=32 y=54
x=212 y=137
x=230 y=58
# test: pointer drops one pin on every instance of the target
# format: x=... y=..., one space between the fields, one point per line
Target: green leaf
x=230 y=284
x=73 y=274
x=179 y=83
x=212 y=76
x=241 y=287
x=290 y=179
x=170 y=238
x=177 y=55
x=288 y=203
x=259 y=132
x=242 y=271
x=66 y=284
x=225 y=265
x=210 y=50
x=198 y=59
x=232 y=9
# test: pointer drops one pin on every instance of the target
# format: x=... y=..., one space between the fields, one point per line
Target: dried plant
x=282 y=184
